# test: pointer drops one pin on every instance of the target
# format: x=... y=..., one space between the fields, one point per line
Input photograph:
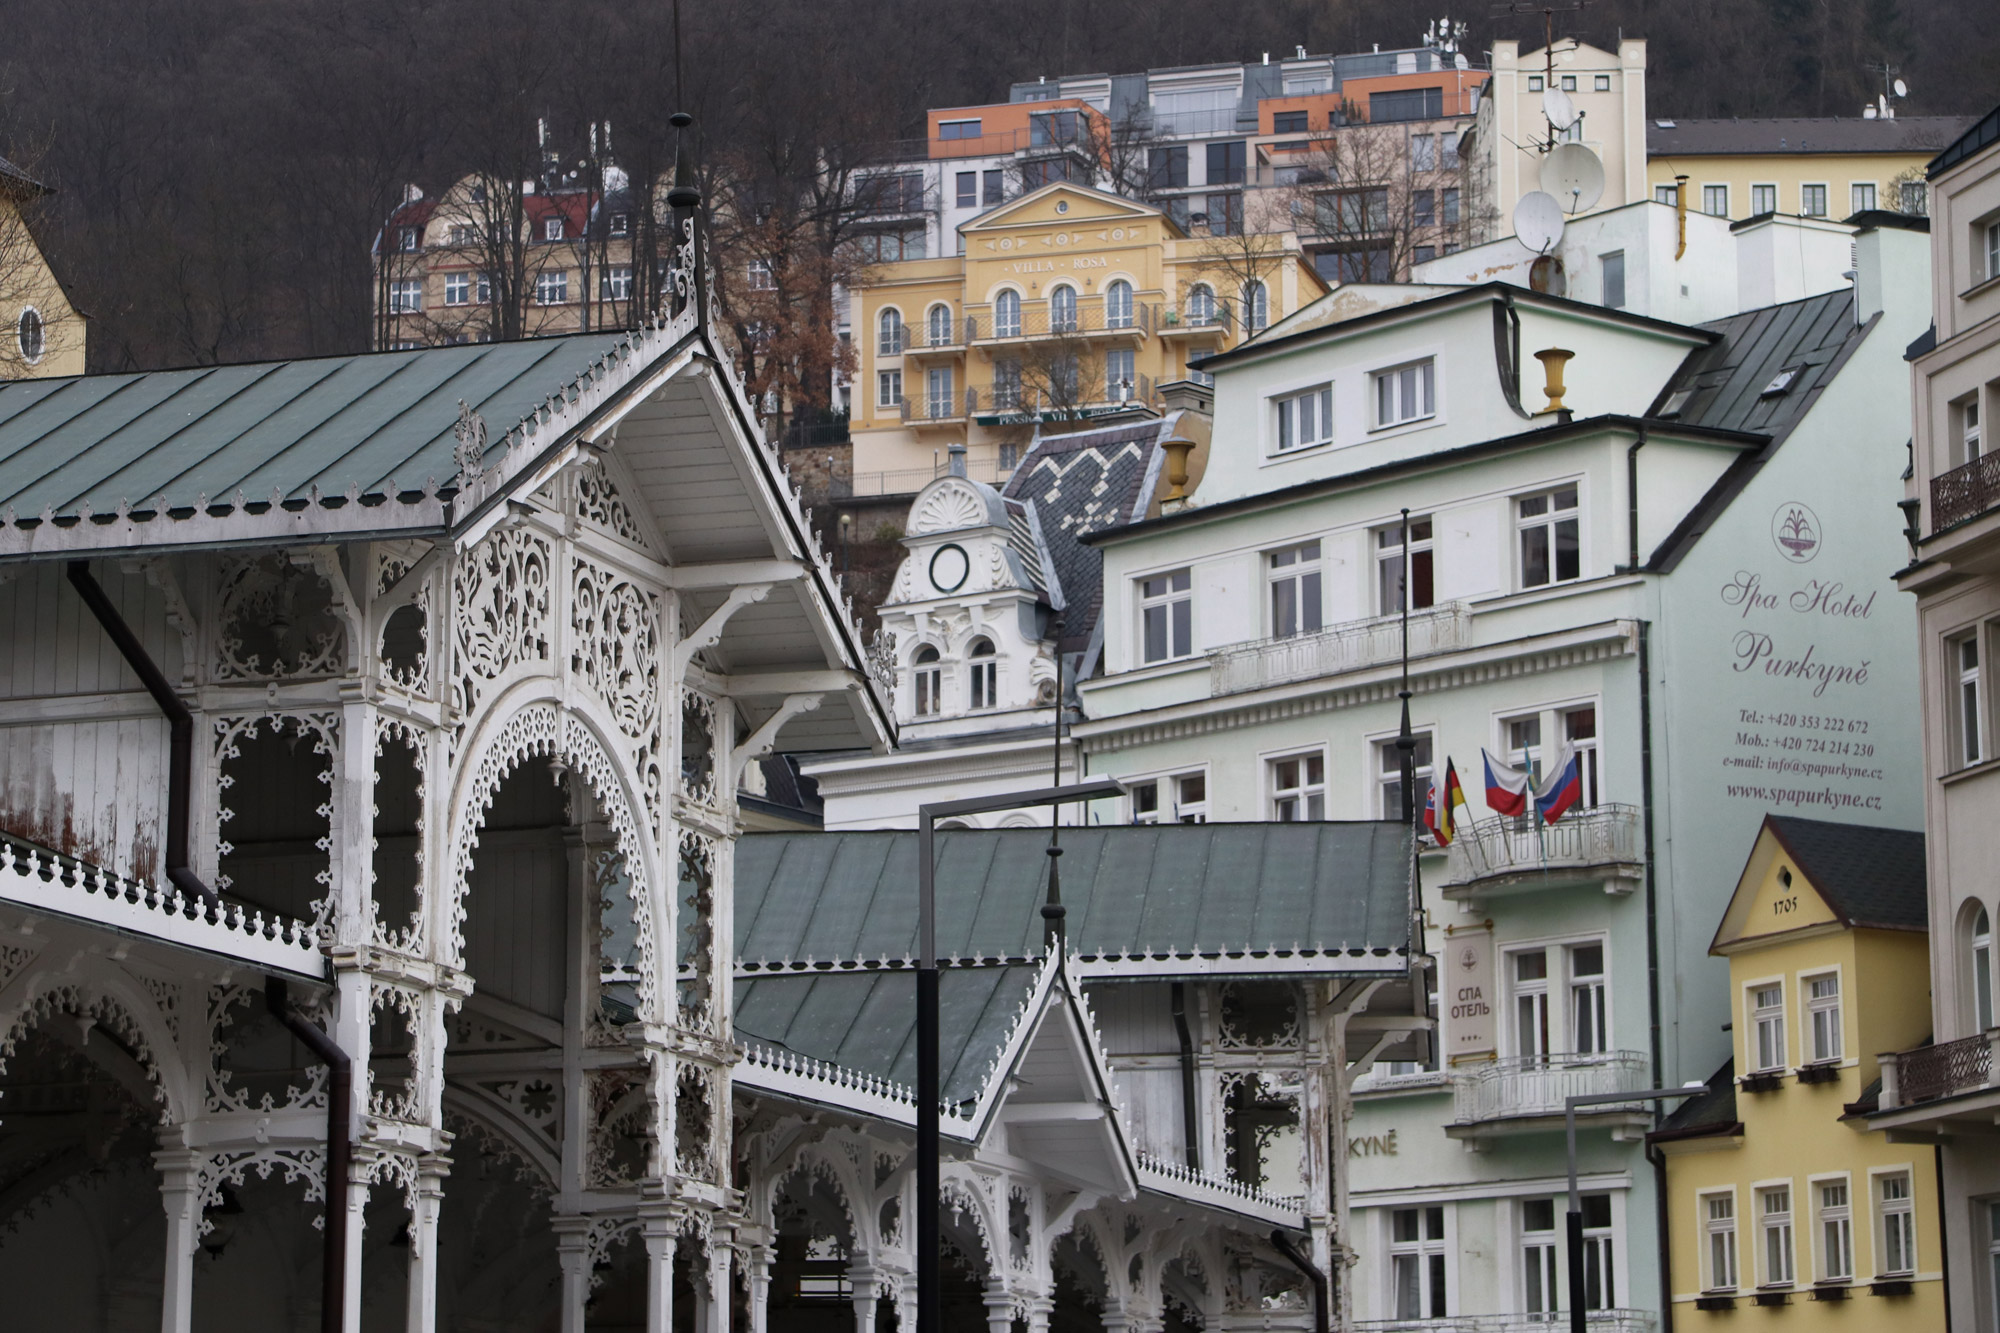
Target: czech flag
x=1445 y=797
x=1507 y=787
x=1563 y=789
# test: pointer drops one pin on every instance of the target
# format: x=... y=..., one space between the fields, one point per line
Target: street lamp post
x=929 y=1094
x=1575 y=1219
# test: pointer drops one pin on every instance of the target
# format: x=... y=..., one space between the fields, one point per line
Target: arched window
x=940 y=330
x=1062 y=309
x=1256 y=306
x=928 y=677
x=1118 y=305
x=1982 y=970
x=1007 y=315
x=1201 y=304
x=985 y=674
x=891 y=341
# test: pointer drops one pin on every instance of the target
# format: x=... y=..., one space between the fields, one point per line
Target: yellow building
x=1778 y=1193
x=1826 y=167
x=1066 y=304
x=44 y=333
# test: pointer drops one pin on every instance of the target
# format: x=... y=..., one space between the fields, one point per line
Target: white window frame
x=1714 y=1228
x=1832 y=1222
x=552 y=287
x=1606 y=1244
x=1589 y=755
x=1202 y=308
x=1174 y=801
x=938 y=325
x=1541 y=1252
x=1306 y=571
x=406 y=296
x=1756 y=1017
x=1967 y=426
x=1064 y=314
x=1979 y=945
x=1118 y=304
x=552 y=229
x=1558 y=993
x=1817 y=1024
x=1256 y=306
x=1177 y=625
x=1991 y=232
x=1532 y=1019
x=1385 y=772
x=1763 y=192
x=1432 y=1258
x=927 y=681
x=1777 y=1231
x=458 y=289
x=1588 y=993
x=1121 y=374
x=1306 y=795
x=1303 y=417
x=1387 y=543
x=1969 y=707
x=616 y=284
x=1007 y=314
x=982 y=674
x=1887 y=1213
x=940 y=395
x=1549 y=520
x=888 y=388
x=1605 y=266
x=891 y=333
x=1421 y=390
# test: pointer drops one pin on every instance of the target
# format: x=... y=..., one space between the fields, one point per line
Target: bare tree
x=30 y=300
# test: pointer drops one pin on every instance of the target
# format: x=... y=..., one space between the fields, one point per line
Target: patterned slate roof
x=1082 y=483
x=1801 y=134
x=1710 y=1112
x=866 y=1021
x=376 y=425
x=1870 y=876
x=1190 y=889
x=1726 y=381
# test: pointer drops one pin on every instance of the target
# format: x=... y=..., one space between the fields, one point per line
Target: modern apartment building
x=1810 y=167
x=1948 y=1091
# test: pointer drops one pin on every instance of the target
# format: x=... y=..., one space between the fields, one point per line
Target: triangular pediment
x=1063 y=204
x=1774 y=899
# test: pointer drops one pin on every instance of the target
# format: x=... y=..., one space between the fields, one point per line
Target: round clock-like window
x=949 y=566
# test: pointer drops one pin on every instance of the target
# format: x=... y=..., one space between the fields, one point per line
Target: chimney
x=956 y=465
x=1187 y=396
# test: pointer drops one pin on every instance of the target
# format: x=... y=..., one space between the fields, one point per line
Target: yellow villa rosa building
x=1779 y=1193
x=1813 y=167
x=1066 y=304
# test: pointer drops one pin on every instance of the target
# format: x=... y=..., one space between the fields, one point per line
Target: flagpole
x=1406 y=743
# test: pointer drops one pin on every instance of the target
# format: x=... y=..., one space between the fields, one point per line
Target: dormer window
x=927 y=679
x=1782 y=382
x=985 y=672
x=552 y=229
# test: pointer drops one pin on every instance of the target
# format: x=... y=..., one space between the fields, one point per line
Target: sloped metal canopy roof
x=371 y=426
x=1254 y=899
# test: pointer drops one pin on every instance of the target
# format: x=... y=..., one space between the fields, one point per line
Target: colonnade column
x=573 y=1257
x=717 y=1303
x=180 y=1190
x=423 y=1279
x=661 y=1236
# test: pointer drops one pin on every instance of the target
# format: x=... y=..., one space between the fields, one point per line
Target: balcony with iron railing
x=1597 y=844
x=1351 y=646
x=1598 y=1321
x=949 y=407
x=1197 y=318
x=1524 y=1092
x=1944 y=1081
x=1092 y=317
x=1965 y=492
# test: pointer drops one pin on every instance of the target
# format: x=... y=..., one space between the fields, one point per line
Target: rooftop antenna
x=1893 y=91
x=1548 y=9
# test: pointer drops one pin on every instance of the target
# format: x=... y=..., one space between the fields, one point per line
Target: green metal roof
x=370 y=426
x=865 y=1021
x=1243 y=893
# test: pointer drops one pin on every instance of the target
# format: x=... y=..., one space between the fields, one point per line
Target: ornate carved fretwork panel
x=501 y=612
x=599 y=503
x=277 y=621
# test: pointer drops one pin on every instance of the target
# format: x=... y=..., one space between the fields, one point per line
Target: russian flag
x=1563 y=789
x=1507 y=787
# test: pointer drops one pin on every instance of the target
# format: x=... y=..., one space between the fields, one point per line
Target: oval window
x=31 y=335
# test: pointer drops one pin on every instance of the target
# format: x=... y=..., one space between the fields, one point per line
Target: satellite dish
x=1538 y=221
x=1573 y=175
x=1458 y=61
x=1902 y=89
x=1546 y=275
x=1558 y=108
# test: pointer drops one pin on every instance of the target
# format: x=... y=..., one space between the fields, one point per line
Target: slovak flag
x=1563 y=789
x=1507 y=787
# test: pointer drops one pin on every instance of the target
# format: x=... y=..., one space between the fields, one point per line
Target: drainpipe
x=339 y=1153
x=1660 y=1217
x=1646 y=802
x=1632 y=502
x=180 y=767
x=1322 y=1289
x=1190 y=1120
